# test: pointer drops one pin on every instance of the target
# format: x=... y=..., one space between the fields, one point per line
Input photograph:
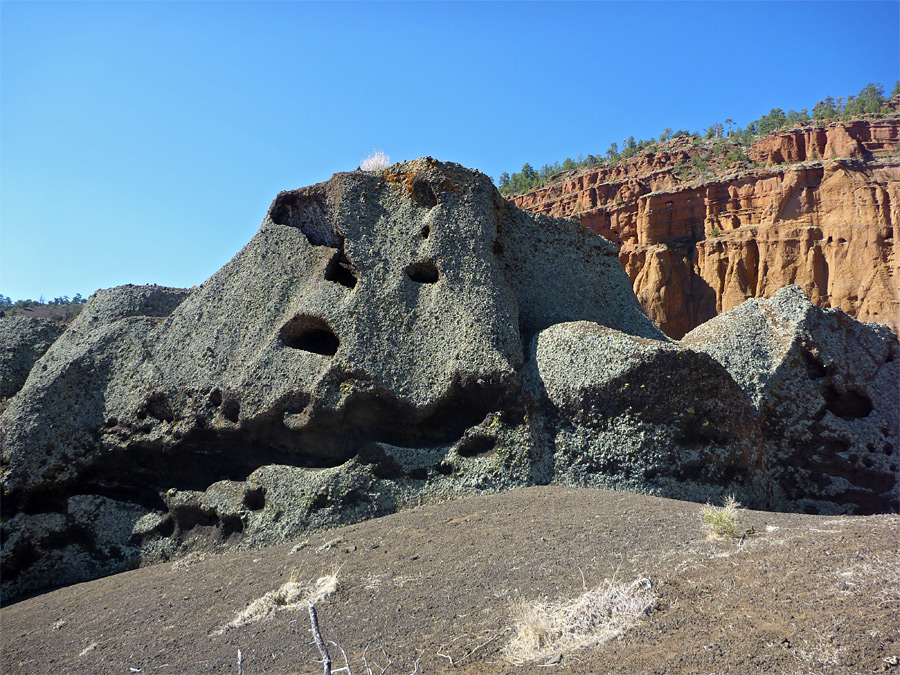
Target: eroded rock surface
x=822 y=214
x=385 y=338
x=23 y=341
x=827 y=391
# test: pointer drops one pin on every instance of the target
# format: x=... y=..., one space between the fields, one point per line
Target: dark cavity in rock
x=425 y=272
x=308 y=212
x=311 y=334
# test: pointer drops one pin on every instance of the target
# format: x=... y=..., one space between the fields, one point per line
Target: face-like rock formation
x=386 y=337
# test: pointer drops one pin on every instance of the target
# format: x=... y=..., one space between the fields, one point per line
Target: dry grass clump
x=291 y=595
x=375 y=161
x=547 y=629
x=721 y=522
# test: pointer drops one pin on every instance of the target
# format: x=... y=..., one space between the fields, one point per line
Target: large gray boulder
x=638 y=414
x=385 y=338
x=827 y=391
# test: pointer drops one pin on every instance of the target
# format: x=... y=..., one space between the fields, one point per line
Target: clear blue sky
x=142 y=142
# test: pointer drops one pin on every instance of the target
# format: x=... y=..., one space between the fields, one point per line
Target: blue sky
x=143 y=142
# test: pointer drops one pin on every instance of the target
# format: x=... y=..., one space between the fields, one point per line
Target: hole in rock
x=423 y=194
x=309 y=213
x=231 y=525
x=425 y=231
x=311 y=334
x=848 y=405
x=419 y=473
x=815 y=369
x=425 y=272
x=157 y=406
x=498 y=247
x=340 y=270
x=383 y=465
x=215 y=397
x=444 y=468
x=231 y=410
x=476 y=445
x=166 y=528
x=255 y=499
x=321 y=501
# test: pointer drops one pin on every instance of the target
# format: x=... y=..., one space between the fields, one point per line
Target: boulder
x=827 y=392
x=361 y=352
x=638 y=414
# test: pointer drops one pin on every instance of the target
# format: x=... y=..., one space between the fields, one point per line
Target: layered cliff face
x=823 y=213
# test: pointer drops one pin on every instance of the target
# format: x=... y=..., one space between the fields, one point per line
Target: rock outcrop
x=388 y=337
x=23 y=341
x=826 y=390
x=824 y=214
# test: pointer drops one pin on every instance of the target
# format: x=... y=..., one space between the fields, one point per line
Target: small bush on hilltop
x=721 y=522
x=375 y=161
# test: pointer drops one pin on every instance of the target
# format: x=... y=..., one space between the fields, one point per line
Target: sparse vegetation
x=546 y=629
x=62 y=308
x=730 y=146
x=376 y=161
x=291 y=595
x=721 y=522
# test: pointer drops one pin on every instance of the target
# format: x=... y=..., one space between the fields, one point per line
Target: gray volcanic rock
x=645 y=415
x=386 y=337
x=23 y=340
x=361 y=352
x=827 y=391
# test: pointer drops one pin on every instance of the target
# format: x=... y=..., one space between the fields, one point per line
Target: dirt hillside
x=440 y=583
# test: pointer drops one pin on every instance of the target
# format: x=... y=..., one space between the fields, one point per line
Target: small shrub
x=715 y=232
x=375 y=161
x=544 y=629
x=721 y=521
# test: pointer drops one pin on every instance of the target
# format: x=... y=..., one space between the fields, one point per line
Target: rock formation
x=826 y=220
x=23 y=341
x=400 y=335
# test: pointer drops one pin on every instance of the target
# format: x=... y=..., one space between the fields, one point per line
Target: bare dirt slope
x=799 y=594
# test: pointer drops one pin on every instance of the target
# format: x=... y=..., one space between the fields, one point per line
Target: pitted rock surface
x=385 y=338
x=826 y=389
x=23 y=341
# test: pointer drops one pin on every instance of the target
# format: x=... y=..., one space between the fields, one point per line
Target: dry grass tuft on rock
x=546 y=630
x=291 y=595
x=375 y=161
x=721 y=522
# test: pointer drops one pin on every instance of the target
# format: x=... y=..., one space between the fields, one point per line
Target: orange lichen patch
x=406 y=176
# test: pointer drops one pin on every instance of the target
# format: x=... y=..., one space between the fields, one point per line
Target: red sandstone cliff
x=824 y=213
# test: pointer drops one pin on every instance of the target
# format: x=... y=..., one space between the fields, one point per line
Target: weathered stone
x=645 y=415
x=361 y=352
x=385 y=338
x=822 y=214
x=827 y=390
x=23 y=341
